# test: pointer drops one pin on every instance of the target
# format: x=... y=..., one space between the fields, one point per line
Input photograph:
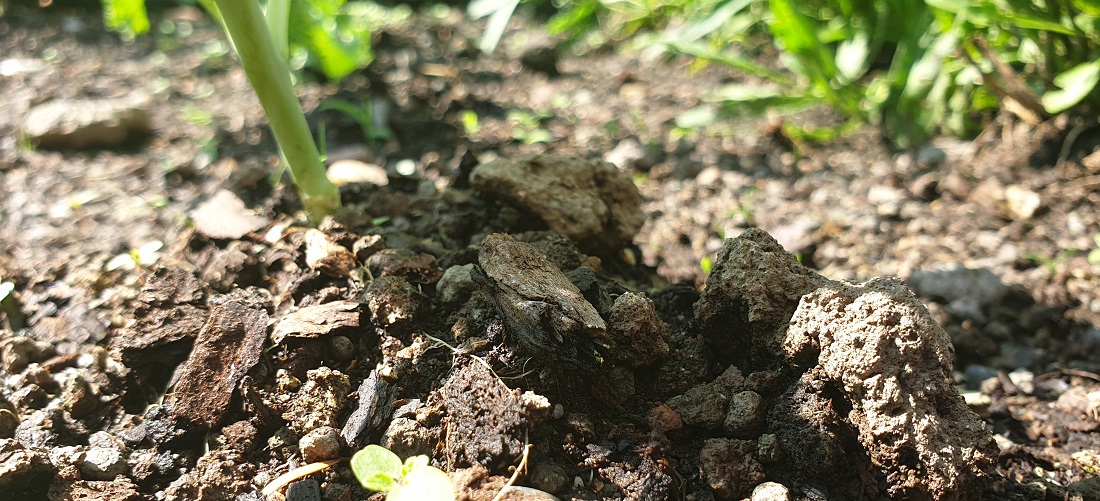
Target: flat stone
x=85 y=123
x=228 y=345
x=224 y=216
x=318 y=320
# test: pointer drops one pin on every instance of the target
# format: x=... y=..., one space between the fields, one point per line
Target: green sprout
x=1094 y=254
x=267 y=70
x=262 y=51
x=379 y=469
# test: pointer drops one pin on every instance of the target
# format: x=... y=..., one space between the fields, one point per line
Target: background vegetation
x=914 y=67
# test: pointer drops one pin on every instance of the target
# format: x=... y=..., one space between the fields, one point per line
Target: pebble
x=770 y=491
x=745 y=414
x=105 y=459
x=931 y=156
x=549 y=477
x=1021 y=202
x=456 y=285
x=976 y=373
x=1023 y=379
x=320 y=444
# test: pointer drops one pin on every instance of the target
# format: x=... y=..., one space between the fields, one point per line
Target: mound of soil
x=625 y=312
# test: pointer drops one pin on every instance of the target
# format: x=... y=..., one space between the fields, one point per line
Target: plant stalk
x=270 y=77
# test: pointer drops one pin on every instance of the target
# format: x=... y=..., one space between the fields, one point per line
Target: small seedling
x=379 y=469
x=1094 y=255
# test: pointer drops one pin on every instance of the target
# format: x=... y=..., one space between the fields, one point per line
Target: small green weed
x=363 y=113
x=379 y=469
x=527 y=127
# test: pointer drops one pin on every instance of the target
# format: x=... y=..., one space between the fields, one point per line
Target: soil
x=695 y=318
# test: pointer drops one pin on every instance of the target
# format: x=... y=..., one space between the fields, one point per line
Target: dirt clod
x=589 y=201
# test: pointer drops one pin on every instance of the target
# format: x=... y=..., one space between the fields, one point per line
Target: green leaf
x=126 y=16
x=336 y=45
x=376 y=468
x=1075 y=85
x=424 y=483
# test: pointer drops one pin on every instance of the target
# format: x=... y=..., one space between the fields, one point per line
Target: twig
x=515 y=475
x=297 y=473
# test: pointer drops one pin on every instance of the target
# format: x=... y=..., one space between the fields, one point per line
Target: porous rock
x=589 y=201
x=893 y=364
x=319 y=401
x=872 y=348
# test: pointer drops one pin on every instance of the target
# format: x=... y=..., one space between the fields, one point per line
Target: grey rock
x=105 y=458
x=456 y=284
x=745 y=415
x=703 y=406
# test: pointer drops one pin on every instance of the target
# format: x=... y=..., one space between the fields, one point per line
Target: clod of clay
x=589 y=201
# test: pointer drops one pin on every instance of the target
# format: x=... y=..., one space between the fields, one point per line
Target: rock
x=317 y=320
x=320 y=444
x=549 y=477
x=745 y=415
x=84 y=123
x=546 y=315
x=968 y=291
x=456 y=285
x=485 y=421
x=118 y=489
x=893 y=364
x=319 y=402
x=105 y=458
x=416 y=267
x=730 y=466
x=375 y=404
x=1021 y=202
x=589 y=201
x=886 y=199
x=637 y=332
x=366 y=246
x=19 y=351
x=703 y=406
x=306 y=489
x=329 y=258
x=228 y=345
x=770 y=491
x=406 y=438
x=224 y=216
x=344 y=172
x=220 y=475
x=25 y=473
x=663 y=419
x=392 y=301
x=930 y=156
x=626 y=154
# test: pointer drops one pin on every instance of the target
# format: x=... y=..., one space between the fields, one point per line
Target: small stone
x=549 y=477
x=320 y=444
x=341 y=348
x=105 y=459
x=930 y=156
x=366 y=246
x=83 y=123
x=456 y=285
x=663 y=419
x=319 y=401
x=703 y=406
x=17 y=352
x=768 y=448
x=770 y=491
x=344 y=172
x=978 y=402
x=1024 y=380
x=327 y=257
x=745 y=414
x=1021 y=202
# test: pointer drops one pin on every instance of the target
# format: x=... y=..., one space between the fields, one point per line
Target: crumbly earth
x=728 y=348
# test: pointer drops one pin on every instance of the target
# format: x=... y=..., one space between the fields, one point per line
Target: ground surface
x=115 y=391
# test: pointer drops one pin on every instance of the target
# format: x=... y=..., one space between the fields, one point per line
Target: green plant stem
x=270 y=78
